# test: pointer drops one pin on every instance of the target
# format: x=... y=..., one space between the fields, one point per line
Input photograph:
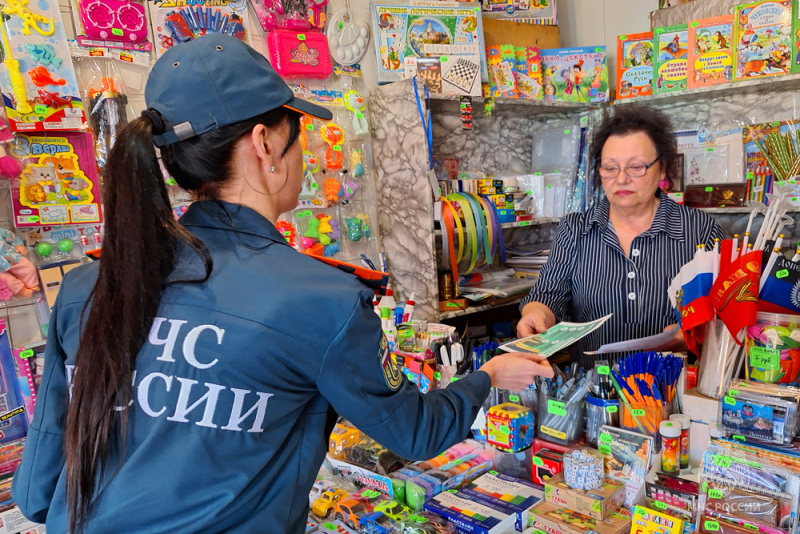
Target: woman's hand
x=516 y=370
x=676 y=344
x=536 y=319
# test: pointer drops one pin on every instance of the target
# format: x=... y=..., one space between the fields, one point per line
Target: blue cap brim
x=307 y=108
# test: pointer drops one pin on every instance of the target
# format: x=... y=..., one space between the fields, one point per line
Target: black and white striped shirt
x=588 y=276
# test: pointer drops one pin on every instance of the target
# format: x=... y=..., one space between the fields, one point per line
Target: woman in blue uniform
x=620 y=256
x=193 y=374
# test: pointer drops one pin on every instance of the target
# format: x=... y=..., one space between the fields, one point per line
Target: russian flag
x=781 y=291
x=695 y=303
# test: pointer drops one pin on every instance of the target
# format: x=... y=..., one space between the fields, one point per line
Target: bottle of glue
x=408 y=311
x=387 y=301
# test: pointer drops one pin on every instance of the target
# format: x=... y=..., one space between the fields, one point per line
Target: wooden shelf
x=477 y=309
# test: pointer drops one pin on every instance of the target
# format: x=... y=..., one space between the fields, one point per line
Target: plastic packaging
x=299 y=55
x=767 y=412
x=773 y=349
x=583 y=469
x=686 y=423
x=720 y=360
x=600 y=412
x=671 y=452
x=560 y=421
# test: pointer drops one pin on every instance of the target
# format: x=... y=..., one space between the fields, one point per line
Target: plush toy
x=19 y=274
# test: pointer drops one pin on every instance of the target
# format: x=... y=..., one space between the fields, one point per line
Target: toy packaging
x=530 y=11
x=295 y=15
x=635 y=65
x=451 y=75
x=13 y=421
x=496 y=488
x=59 y=180
x=649 y=521
x=118 y=24
x=575 y=74
x=627 y=458
x=299 y=55
x=597 y=503
x=671 y=58
x=529 y=72
x=40 y=91
x=555 y=519
x=178 y=21
x=710 y=51
x=762 y=32
x=402 y=32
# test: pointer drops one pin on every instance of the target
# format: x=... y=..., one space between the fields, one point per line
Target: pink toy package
x=299 y=55
x=113 y=24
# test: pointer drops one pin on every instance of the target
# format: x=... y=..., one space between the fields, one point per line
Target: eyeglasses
x=634 y=170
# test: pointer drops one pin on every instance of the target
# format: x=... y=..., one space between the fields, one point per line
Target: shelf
x=477 y=309
x=515 y=106
x=766 y=84
x=535 y=222
x=738 y=210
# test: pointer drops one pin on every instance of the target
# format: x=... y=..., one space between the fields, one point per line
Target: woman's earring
x=272 y=169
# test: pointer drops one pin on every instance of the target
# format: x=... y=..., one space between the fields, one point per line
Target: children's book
x=575 y=74
x=763 y=34
x=710 y=51
x=634 y=65
x=529 y=72
x=671 y=58
x=647 y=521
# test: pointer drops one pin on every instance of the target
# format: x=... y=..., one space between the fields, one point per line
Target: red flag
x=735 y=293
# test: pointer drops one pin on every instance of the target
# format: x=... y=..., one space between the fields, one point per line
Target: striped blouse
x=588 y=276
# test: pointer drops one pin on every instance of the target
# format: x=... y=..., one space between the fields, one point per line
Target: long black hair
x=141 y=236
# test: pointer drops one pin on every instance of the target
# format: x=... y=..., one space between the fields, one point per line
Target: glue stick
x=671 y=448
x=409 y=309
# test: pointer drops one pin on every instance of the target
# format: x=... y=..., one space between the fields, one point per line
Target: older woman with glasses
x=619 y=257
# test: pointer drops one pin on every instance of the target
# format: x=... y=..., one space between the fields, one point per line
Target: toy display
x=178 y=21
x=635 y=57
x=59 y=182
x=671 y=58
x=18 y=276
x=509 y=427
x=118 y=24
x=710 y=51
x=347 y=40
x=39 y=87
x=299 y=55
x=762 y=32
x=14 y=423
x=575 y=74
x=402 y=32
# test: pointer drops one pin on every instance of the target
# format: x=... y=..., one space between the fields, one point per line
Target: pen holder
x=560 y=421
x=644 y=419
x=600 y=412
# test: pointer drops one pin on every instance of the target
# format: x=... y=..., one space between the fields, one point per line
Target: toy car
x=377 y=523
x=322 y=506
x=426 y=523
x=350 y=511
x=319 y=487
x=374 y=457
x=342 y=438
x=393 y=509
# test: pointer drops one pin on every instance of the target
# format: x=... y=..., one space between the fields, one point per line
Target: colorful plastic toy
x=41 y=77
x=121 y=20
x=335 y=232
x=53 y=99
x=44 y=54
x=353 y=228
x=349 y=190
x=324 y=504
x=333 y=136
x=316 y=13
x=332 y=190
x=287 y=230
x=332 y=249
x=357 y=168
x=354 y=102
x=303 y=55
x=313 y=228
x=29 y=20
x=347 y=40
x=366 y=231
x=509 y=427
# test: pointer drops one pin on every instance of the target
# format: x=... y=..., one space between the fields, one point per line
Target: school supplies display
x=762 y=31
x=562 y=406
x=575 y=74
x=773 y=354
x=766 y=412
x=627 y=458
x=174 y=23
x=635 y=57
x=711 y=45
x=671 y=56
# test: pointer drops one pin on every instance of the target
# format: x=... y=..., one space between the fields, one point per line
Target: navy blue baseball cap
x=213 y=81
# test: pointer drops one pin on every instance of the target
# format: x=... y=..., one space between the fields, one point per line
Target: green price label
x=764 y=358
x=33 y=218
x=660 y=505
x=715 y=493
x=711 y=526
x=443 y=59
x=695 y=23
x=606 y=438
x=171 y=181
x=25 y=354
x=603 y=370
x=301 y=37
x=337 y=148
x=525 y=223
x=437 y=375
x=596 y=506
x=513 y=398
x=612 y=409
x=566 y=132
x=623 y=37
x=556 y=407
x=659 y=30
x=737 y=437
x=709 y=189
x=504 y=430
x=598 y=50
x=722 y=461
x=733 y=392
x=39 y=109
x=537 y=461
x=117 y=31
x=782 y=273
x=330 y=526
x=730 y=401
x=605 y=449
x=493 y=472
x=705 y=486
x=751 y=527
x=638 y=412
x=310 y=127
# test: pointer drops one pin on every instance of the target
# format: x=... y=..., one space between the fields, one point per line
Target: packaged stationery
x=767 y=412
x=710 y=59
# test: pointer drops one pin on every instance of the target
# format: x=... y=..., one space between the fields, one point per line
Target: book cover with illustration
x=575 y=74
x=671 y=58
x=635 y=65
x=763 y=35
x=710 y=51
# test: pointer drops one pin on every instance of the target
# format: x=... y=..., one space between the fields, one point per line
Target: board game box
x=671 y=58
x=710 y=51
x=575 y=74
x=763 y=34
x=634 y=65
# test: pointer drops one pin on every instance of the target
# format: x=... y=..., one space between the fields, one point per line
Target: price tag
x=705 y=486
x=711 y=526
x=301 y=37
x=537 y=461
x=39 y=109
x=722 y=461
x=337 y=148
x=751 y=527
x=783 y=273
x=525 y=223
x=513 y=398
x=730 y=401
x=764 y=358
x=437 y=375
x=310 y=127
x=117 y=31
x=25 y=354
x=556 y=407
x=733 y=392
x=33 y=218
x=660 y=505
x=606 y=438
x=493 y=472
x=638 y=412
x=605 y=449
x=695 y=23
x=738 y=437
x=715 y=493
x=612 y=409
x=504 y=430
x=603 y=370
x=709 y=189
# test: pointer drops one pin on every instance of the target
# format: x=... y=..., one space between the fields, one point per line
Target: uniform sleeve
x=554 y=287
x=362 y=385
x=36 y=477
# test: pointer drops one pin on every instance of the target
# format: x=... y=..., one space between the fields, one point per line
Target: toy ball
x=65 y=245
x=44 y=249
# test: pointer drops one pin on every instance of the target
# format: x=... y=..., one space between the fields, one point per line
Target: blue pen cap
x=398 y=315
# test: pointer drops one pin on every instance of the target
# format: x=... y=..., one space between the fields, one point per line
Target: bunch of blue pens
x=562 y=406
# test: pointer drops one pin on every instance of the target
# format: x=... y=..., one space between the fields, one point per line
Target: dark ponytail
x=139 y=246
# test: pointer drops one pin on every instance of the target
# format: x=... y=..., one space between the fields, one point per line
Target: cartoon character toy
x=19 y=274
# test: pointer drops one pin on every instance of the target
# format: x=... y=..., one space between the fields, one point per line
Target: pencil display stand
x=600 y=412
x=719 y=361
x=560 y=421
x=644 y=419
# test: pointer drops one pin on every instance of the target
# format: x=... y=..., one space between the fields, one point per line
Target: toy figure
x=366 y=231
x=40 y=77
x=19 y=273
x=324 y=223
x=349 y=190
x=287 y=230
x=335 y=232
x=313 y=228
x=353 y=228
x=332 y=189
x=331 y=249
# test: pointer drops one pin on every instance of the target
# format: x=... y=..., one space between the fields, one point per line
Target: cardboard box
x=470 y=516
x=498 y=489
x=597 y=504
x=361 y=475
x=554 y=519
x=498 y=32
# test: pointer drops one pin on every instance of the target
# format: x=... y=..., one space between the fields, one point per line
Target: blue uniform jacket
x=234 y=391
